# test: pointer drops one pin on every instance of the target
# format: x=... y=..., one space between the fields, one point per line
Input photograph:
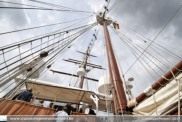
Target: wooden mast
x=82 y=77
x=84 y=66
x=118 y=92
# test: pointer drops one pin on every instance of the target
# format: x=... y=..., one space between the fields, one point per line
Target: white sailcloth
x=163 y=100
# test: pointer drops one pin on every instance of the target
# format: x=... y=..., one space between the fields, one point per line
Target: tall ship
x=89 y=59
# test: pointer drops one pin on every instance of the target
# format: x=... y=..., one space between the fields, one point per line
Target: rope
x=114 y=4
x=154 y=101
x=28 y=50
x=42 y=26
x=36 y=70
x=86 y=35
x=52 y=77
x=136 y=57
x=178 y=69
x=87 y=83
x=58 y=6
x=152 y=48
x=147 y=56
x=11 y=102
x=22 y=83
x=179 y=109
x=143 y=59
x=125 y=27
x=128 y=66
x=5 y=62
x=119 y=3
x=72 y=75
x=77 y=43
x=147 y=51
x=32 y=75
x=66 y=76
x=43 y=35
x=28 y=61
x=155 y=38
x=38 y=9
x=29 y=55
x=31 y=48
x=22 y=76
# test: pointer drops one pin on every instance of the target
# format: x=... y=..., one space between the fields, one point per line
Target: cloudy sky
x=146 y=17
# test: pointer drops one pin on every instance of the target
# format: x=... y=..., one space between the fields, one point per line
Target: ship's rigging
x=25 y=68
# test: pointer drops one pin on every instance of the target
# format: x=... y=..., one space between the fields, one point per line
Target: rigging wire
x=155 y=37
x=29 y=55
x=43 y=36
x=90 y=47
x=59 y=57
x=13 y=82
x=167 y=52
x=59 y=41
x=142 y=58
x=137 y=59
x=38 y=69
x=38 y=9
x=128 y=67
x=133 y=52
x=121 y=71
x=19 y=95
x=138 y=65
x=158 y=59
x=28 y=61
x=41 y=26
x=71 y=76
x=80 y=44
x=23 y=76
x=58 y=6
x=19 y=4
x=154 y=50
x=160 y=45
x=32 y=55
x=138 y=35
x=116 y=6
x=67 y=44
x=159 y=54
x=83 y=37
x=83 y=31
x=5 y=62
x=72 y=46
x=32 y=6
x=108 y=3
x=36 y=6
x=146 y=57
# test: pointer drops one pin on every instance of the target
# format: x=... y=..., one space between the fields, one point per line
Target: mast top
x=101 y=16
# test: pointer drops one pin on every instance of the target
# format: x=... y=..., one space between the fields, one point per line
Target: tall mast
x=84 y=66
x=118 y=92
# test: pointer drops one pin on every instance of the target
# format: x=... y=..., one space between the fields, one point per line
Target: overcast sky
x=146 y=17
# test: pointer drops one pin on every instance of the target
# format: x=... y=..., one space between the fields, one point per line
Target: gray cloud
x=147 y=17
x=15 y=18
